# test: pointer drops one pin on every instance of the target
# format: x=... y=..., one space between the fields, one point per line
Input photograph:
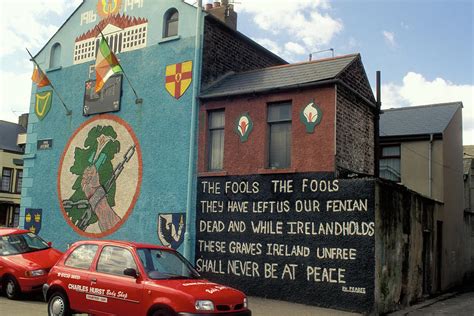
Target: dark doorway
x=439 y=254
x=426 y=262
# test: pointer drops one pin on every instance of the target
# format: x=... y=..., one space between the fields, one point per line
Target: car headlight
x=204 y=306
x=246 y=303
x=35 y=273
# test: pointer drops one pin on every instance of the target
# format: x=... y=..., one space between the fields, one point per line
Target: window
x=171 y=23
x=390 y=163
x=19 y=180
x=7 y=175
x=216 y=140
x=115 y=260
x=55 y=58
x=279 y=135
x=82 y=257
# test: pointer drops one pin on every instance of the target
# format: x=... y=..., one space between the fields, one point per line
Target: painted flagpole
x=68 y=112
x=138 y=100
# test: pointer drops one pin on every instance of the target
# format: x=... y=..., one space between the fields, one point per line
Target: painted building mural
x=119 y=176
x=123 y=33
x=309 y=234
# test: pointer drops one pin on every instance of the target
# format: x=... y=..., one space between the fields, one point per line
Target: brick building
x=11 y=168
x=338 y=87
x=276 y=209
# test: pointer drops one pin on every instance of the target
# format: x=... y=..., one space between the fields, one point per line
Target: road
x=459 y=305
x=34 y=306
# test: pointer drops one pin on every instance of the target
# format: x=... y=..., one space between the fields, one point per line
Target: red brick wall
x=309 y=152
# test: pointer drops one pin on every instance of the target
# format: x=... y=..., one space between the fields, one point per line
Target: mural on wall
x=171 y=229
x=33 y=218
x=43 y=101
x=123 y=33
x=108 y=7
x=311 y=115
x=99 y=176
x=243 y=127
x=178 y=78
x=308 y=233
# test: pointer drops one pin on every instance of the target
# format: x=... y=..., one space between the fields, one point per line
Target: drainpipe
x=430 y=164
x=378 y=105
x=192 y=135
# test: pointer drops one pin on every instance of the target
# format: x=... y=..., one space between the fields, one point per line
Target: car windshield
x=21 y=243
x=164 y=264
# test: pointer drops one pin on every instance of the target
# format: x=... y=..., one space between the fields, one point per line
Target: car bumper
x=241 y=313
x=45 y=290
x=32 y=284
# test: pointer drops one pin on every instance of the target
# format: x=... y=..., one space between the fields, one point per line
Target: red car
x=25 y=260
x=127 y=278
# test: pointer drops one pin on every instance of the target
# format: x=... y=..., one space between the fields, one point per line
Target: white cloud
x=26 y=23
x=272 y=46
x=295 y=48
x=287 y=51
x=302 y=20
x=417 y=90
x=389 y=38
x=30 y=24
x=15 y=92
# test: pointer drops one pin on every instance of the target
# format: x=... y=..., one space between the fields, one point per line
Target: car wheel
x=58 y=305
x=11 y=288
x=163 y=312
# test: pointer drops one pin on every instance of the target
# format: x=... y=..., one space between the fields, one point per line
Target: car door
x=74 y=275
x=110 y=290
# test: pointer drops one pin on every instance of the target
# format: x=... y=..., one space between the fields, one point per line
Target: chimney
x=23 y=120
x=223 y=11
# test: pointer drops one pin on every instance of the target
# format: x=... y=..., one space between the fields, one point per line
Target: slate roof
x=278 y=77
x=8 y=136
x=417 y=120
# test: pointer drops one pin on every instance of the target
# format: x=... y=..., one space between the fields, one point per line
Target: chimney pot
x=208 y=6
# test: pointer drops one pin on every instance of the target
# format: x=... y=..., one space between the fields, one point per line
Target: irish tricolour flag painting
x=106 y=65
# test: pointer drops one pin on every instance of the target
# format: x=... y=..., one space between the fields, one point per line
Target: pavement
x=267 y=307
x=459 y=303
x=34 y=306
x=28 y=306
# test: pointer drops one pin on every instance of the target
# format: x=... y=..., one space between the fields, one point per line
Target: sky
x=424 y=48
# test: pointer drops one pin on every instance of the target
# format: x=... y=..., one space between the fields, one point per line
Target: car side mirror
x=50 y=244
x=131 y=272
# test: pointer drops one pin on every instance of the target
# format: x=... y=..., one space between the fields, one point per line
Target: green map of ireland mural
x=92 y=173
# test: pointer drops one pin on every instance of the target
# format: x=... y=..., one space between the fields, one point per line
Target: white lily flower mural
x=244 y=127
x=311 y=116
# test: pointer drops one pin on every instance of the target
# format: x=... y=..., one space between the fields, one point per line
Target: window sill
x=169 y=39
x=7 y=192
x=54 y=69
x=276 y=171
x=212 y=174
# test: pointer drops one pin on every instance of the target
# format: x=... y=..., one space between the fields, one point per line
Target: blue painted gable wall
x=161 y=124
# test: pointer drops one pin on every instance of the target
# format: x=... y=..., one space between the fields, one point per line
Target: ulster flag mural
x=178 y=78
